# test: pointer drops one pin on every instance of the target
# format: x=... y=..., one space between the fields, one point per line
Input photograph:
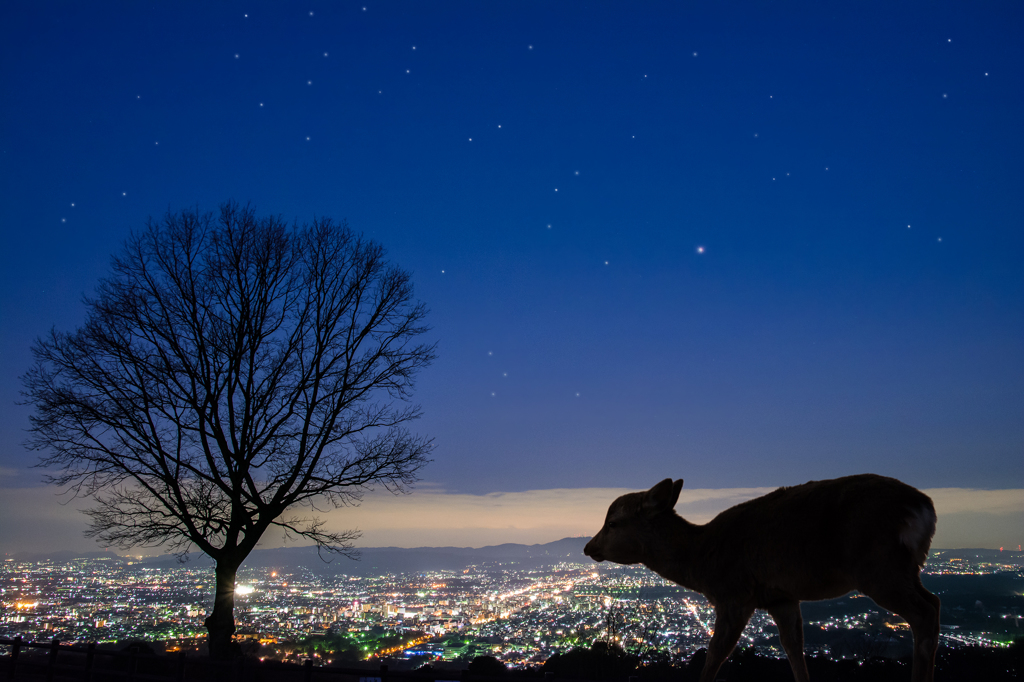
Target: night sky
x=743 y=244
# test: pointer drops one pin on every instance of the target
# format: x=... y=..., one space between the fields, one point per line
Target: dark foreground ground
x=598 y=664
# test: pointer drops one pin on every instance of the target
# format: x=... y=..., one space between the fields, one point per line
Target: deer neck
x=670 y=554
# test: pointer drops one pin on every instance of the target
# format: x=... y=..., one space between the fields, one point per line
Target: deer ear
x=663 y=496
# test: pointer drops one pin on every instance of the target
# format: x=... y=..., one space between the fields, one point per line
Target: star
x=940 y=239
x=944 y=95
x=261 y=104
x=236 y=56
x=309 y=82
x=694 y=54
x=307 y=138
x=577 y=172
x=549 y=227
x=908 y=227
x=124 y=194
x=556 y=189
x=606 y=262
x=72 y=203
x=414 y=47
x=700 y=249
x=63 y=220
x=490 y=353
x=310 y=14
x=471 y=139
x=325 y=54
x=530 y=47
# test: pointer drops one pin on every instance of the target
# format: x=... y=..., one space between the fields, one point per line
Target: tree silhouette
x=230 y=373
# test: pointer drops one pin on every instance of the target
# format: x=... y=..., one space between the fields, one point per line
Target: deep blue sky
x=547 y=172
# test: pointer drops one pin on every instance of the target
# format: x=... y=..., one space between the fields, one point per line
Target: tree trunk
x=221 y=622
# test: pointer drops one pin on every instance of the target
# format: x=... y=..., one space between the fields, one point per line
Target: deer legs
x=920 y=608
x=729 y=624
x=791 y=633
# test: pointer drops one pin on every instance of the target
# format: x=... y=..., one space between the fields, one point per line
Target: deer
x=819 y=540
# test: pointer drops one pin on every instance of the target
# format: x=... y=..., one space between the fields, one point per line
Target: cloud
x=34 y=519
x=967 y=517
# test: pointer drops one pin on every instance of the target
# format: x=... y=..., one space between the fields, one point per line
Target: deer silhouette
x=819 y=540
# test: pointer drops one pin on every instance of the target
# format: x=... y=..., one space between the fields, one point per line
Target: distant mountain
x=60 y=557
x=383 y=560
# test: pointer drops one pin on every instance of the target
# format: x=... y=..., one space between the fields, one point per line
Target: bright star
x=700 y=249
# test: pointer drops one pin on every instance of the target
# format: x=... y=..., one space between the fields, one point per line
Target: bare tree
x=229 y=374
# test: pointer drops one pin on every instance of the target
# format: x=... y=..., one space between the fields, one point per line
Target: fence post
x=307 y=670
x=14 y=656
x=90 y=656
x=52 y=659
x=180 y=677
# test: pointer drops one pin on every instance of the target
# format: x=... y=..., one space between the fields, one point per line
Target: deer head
x=632 y=524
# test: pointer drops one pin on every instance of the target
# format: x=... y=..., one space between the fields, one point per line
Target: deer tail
x=917 y=531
